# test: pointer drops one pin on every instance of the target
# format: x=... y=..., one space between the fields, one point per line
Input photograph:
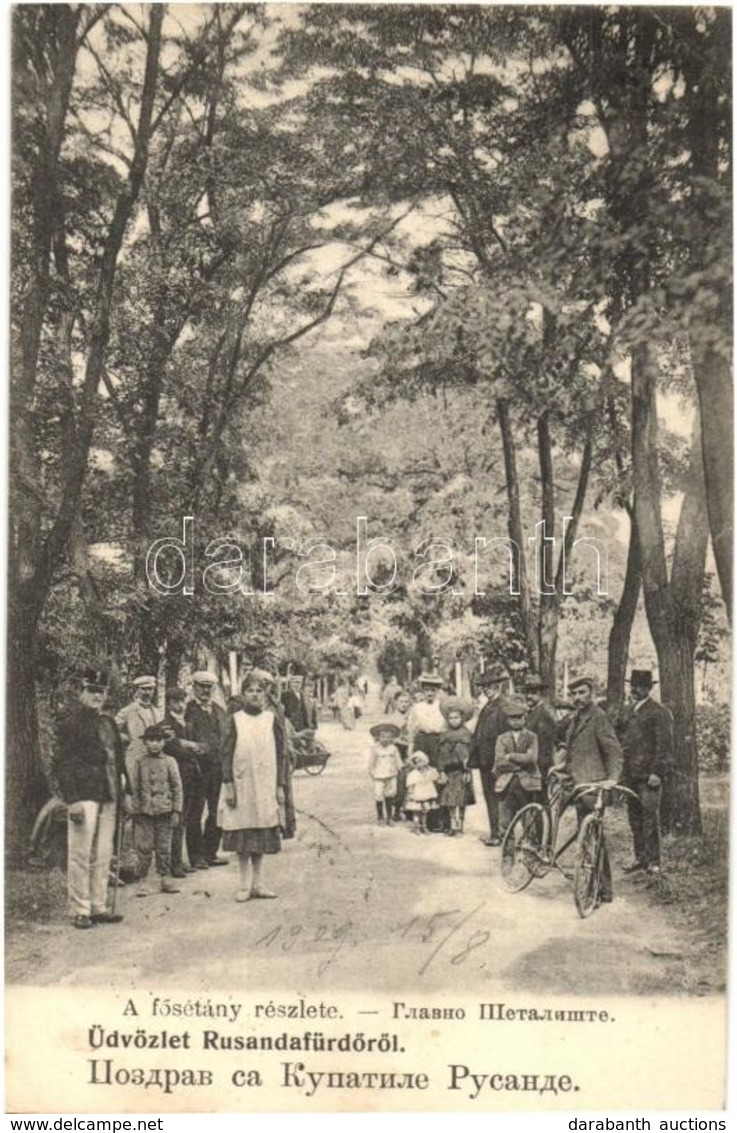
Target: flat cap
x=204 y=677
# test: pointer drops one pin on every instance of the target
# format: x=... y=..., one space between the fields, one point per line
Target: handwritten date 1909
x=330 y=937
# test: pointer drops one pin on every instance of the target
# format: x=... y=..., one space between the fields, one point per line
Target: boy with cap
x=157 y=807
x=646 y=734
x=516 y=769
x=91 y=773
x=490 y=725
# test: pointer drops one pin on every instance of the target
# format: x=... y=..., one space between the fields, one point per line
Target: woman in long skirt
x=255 y=801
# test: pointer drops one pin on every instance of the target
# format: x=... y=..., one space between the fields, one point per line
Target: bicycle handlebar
x=592 y=788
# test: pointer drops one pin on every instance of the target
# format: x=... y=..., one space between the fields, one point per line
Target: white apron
x=254 y=775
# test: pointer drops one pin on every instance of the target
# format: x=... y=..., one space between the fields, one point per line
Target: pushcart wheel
x=525 y=847
x=589 y=861
x=315 y=768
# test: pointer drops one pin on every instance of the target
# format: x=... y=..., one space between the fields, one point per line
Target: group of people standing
x=188 y=776
x=192 y=776
x=425 y=747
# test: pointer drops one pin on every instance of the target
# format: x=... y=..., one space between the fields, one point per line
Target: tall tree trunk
x=29 y=593
x=25 y=785
x=716 y=401
x=672 y=605
x=516 y=534
x=624 y=616
x=549 y=598
x=708 y=72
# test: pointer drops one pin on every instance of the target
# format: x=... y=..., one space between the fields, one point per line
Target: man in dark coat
x=541 y=720
x=646 y=733
x=208 y=727
x=186 y=752
x=91 y=773
x=591 y=754
x=490 y=725
x=299 y=710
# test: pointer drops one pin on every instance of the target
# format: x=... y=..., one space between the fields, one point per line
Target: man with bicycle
x=590 y=753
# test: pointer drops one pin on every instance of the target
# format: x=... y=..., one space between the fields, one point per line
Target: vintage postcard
x=370 y=572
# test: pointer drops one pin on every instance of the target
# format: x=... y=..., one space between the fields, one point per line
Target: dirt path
x=367 y=907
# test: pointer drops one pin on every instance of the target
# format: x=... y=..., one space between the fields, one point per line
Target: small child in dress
x=422 y=792
x=385 y=763
x=157 y=807
x=516 y=770
x=454 y=747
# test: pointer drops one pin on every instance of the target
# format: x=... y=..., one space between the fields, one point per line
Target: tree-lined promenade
x=457 y=270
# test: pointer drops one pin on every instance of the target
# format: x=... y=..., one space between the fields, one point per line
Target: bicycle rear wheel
x=525 y=846
x=589 y=864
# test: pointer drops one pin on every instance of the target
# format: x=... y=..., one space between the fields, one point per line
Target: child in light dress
x=422 y=791
x=384 y=765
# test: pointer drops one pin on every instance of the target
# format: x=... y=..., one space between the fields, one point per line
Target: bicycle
x=530 y=846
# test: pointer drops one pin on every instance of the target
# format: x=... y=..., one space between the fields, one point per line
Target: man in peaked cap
x=91 y=773
x=208 y=726
x=646 y=734
x=134 y=718
x=491 y=723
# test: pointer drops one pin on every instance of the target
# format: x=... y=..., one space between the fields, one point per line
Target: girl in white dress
x=255 y=787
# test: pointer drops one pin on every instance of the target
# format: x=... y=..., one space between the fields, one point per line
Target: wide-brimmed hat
x=495 y=674
x=534 y=684
x=385 y=726
x=577 y=682
x=642 y=677
x=457 y=704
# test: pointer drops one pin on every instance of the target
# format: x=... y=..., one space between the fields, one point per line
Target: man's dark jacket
x=489 y=726
x=81 y=756
x=646 y=736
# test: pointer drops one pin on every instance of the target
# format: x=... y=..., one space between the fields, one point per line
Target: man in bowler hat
x=646 y=734
x=91 y=773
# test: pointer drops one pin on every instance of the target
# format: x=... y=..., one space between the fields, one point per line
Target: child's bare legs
x=416 y=822
x=455 y=820
x=257 y=889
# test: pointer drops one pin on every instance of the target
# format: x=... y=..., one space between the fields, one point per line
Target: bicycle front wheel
x=589 y=865
x=525 y=847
